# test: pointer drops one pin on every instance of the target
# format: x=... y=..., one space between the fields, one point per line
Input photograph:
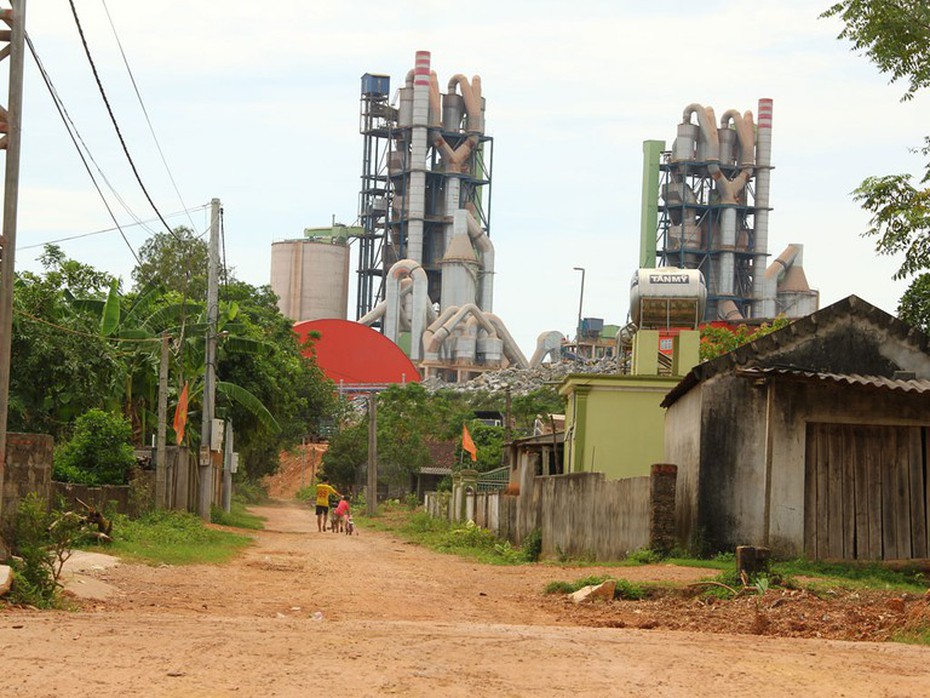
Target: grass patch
x=174 y=538
x=918 y=636
x=625 y=589
x=465 y=540
x=855 y=576
x=237 y=517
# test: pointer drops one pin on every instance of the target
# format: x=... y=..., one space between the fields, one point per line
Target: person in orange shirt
x=323 y=491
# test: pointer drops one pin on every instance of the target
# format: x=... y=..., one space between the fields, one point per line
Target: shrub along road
x=304 y=613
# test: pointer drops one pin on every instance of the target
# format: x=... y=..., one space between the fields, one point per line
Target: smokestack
x=417 y=206
x=762 y=304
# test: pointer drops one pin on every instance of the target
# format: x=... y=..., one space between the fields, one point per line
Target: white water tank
x=667 y=297
x=311 y=278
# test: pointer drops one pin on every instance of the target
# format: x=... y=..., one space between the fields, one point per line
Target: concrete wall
x=28 y=468
x=683 y=447
x=614 y=424
x=580 y=515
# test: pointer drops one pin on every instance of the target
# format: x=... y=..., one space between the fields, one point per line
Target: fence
x=578 y=515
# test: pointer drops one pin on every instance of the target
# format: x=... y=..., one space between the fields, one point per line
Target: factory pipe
x=486 y=253
x=547 y=344
x=511 y=348
x=407 y=268
x=763 y=305
x=440 y=331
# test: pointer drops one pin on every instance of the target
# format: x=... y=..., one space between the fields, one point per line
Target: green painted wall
x=614 y=424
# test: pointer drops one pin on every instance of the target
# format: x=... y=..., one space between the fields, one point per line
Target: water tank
x=667 y=297
x=310 y=278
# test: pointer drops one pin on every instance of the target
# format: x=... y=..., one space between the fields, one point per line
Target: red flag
x=468 y=444
x=180 y=415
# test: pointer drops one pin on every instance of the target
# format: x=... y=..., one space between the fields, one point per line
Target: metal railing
x=496 y=479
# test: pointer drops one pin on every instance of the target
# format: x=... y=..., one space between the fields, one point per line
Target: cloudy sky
x=257 y=104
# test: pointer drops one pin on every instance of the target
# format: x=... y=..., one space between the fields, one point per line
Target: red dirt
x=302 y=612
x=296 y=469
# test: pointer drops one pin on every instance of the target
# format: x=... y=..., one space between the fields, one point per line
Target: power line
x=119 y=134
x=60 y=107
x=107 y=230
x=77 y=134
x=135 y=87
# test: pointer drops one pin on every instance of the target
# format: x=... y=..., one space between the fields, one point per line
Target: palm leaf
x=109 y=321
x=249 y=402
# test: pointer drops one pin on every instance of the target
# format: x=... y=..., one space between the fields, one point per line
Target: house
x=811 y=440
x=614 y=423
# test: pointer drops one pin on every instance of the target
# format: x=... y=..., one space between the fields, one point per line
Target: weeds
x=645 y=556
x=236 y=517
x=173 y=537
x=624 y=589
x=42 y=543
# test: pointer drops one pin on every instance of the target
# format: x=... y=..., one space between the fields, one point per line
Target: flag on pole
x=468 y=444
x=180 y=415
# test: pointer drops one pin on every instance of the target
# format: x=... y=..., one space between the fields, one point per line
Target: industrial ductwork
x=721 y=230
x=434 y=189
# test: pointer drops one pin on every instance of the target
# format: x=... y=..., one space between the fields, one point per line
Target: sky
x=257 y=105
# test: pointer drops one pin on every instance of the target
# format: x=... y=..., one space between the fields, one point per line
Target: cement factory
x=426 y=263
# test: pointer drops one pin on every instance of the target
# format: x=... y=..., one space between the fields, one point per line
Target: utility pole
x=227 y=466
x=372 y=498
x=508 y=426
x=11 y=120
x=205 y=471
x=161 y=475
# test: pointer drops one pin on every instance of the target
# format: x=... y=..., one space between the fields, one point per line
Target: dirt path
x=399 y=620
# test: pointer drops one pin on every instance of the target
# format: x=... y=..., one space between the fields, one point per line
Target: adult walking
x=323 y=492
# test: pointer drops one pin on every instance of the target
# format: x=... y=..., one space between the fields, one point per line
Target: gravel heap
x=523 y=381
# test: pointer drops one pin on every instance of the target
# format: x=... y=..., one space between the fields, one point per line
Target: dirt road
x=307 y=613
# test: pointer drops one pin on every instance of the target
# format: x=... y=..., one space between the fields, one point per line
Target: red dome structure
x=351 y=353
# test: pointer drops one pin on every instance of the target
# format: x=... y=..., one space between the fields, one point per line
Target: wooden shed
x=811 y=440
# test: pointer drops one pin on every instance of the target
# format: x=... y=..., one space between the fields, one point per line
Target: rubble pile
x=524 y=381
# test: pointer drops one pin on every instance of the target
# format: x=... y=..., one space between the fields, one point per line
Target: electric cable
x=104 y=230
x=77 y=134
x=119 y=133
x=59 y=107
x=135 y=87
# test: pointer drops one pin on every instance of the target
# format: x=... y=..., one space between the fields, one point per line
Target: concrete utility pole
x=227 y=466
x=372 y=498
x=161 y=475
x=11 y=120
x=205 y=471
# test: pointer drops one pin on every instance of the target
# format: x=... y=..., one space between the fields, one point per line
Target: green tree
x=348 y=449
x=99 y=452
x=716 y=341
x=61 y=365
x=895 y=35
x=914 y=307
x=177 y=260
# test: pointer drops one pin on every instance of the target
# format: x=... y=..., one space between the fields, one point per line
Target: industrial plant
x=426 y=263
x=706 y=207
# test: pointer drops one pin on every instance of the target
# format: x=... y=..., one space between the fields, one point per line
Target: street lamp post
x=580 y=305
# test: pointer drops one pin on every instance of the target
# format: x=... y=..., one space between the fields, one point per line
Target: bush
x=99 y=452
x=532 y=546
x=645 y=556
x=42 y=541
x=250 y=491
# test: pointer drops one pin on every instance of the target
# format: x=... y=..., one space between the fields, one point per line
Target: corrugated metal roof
x=917 y=385
x=430 y=470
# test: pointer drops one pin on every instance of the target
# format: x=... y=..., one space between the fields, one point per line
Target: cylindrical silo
x=310 y=278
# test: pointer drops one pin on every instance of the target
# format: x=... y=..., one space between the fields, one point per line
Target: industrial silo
x=311 y=276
